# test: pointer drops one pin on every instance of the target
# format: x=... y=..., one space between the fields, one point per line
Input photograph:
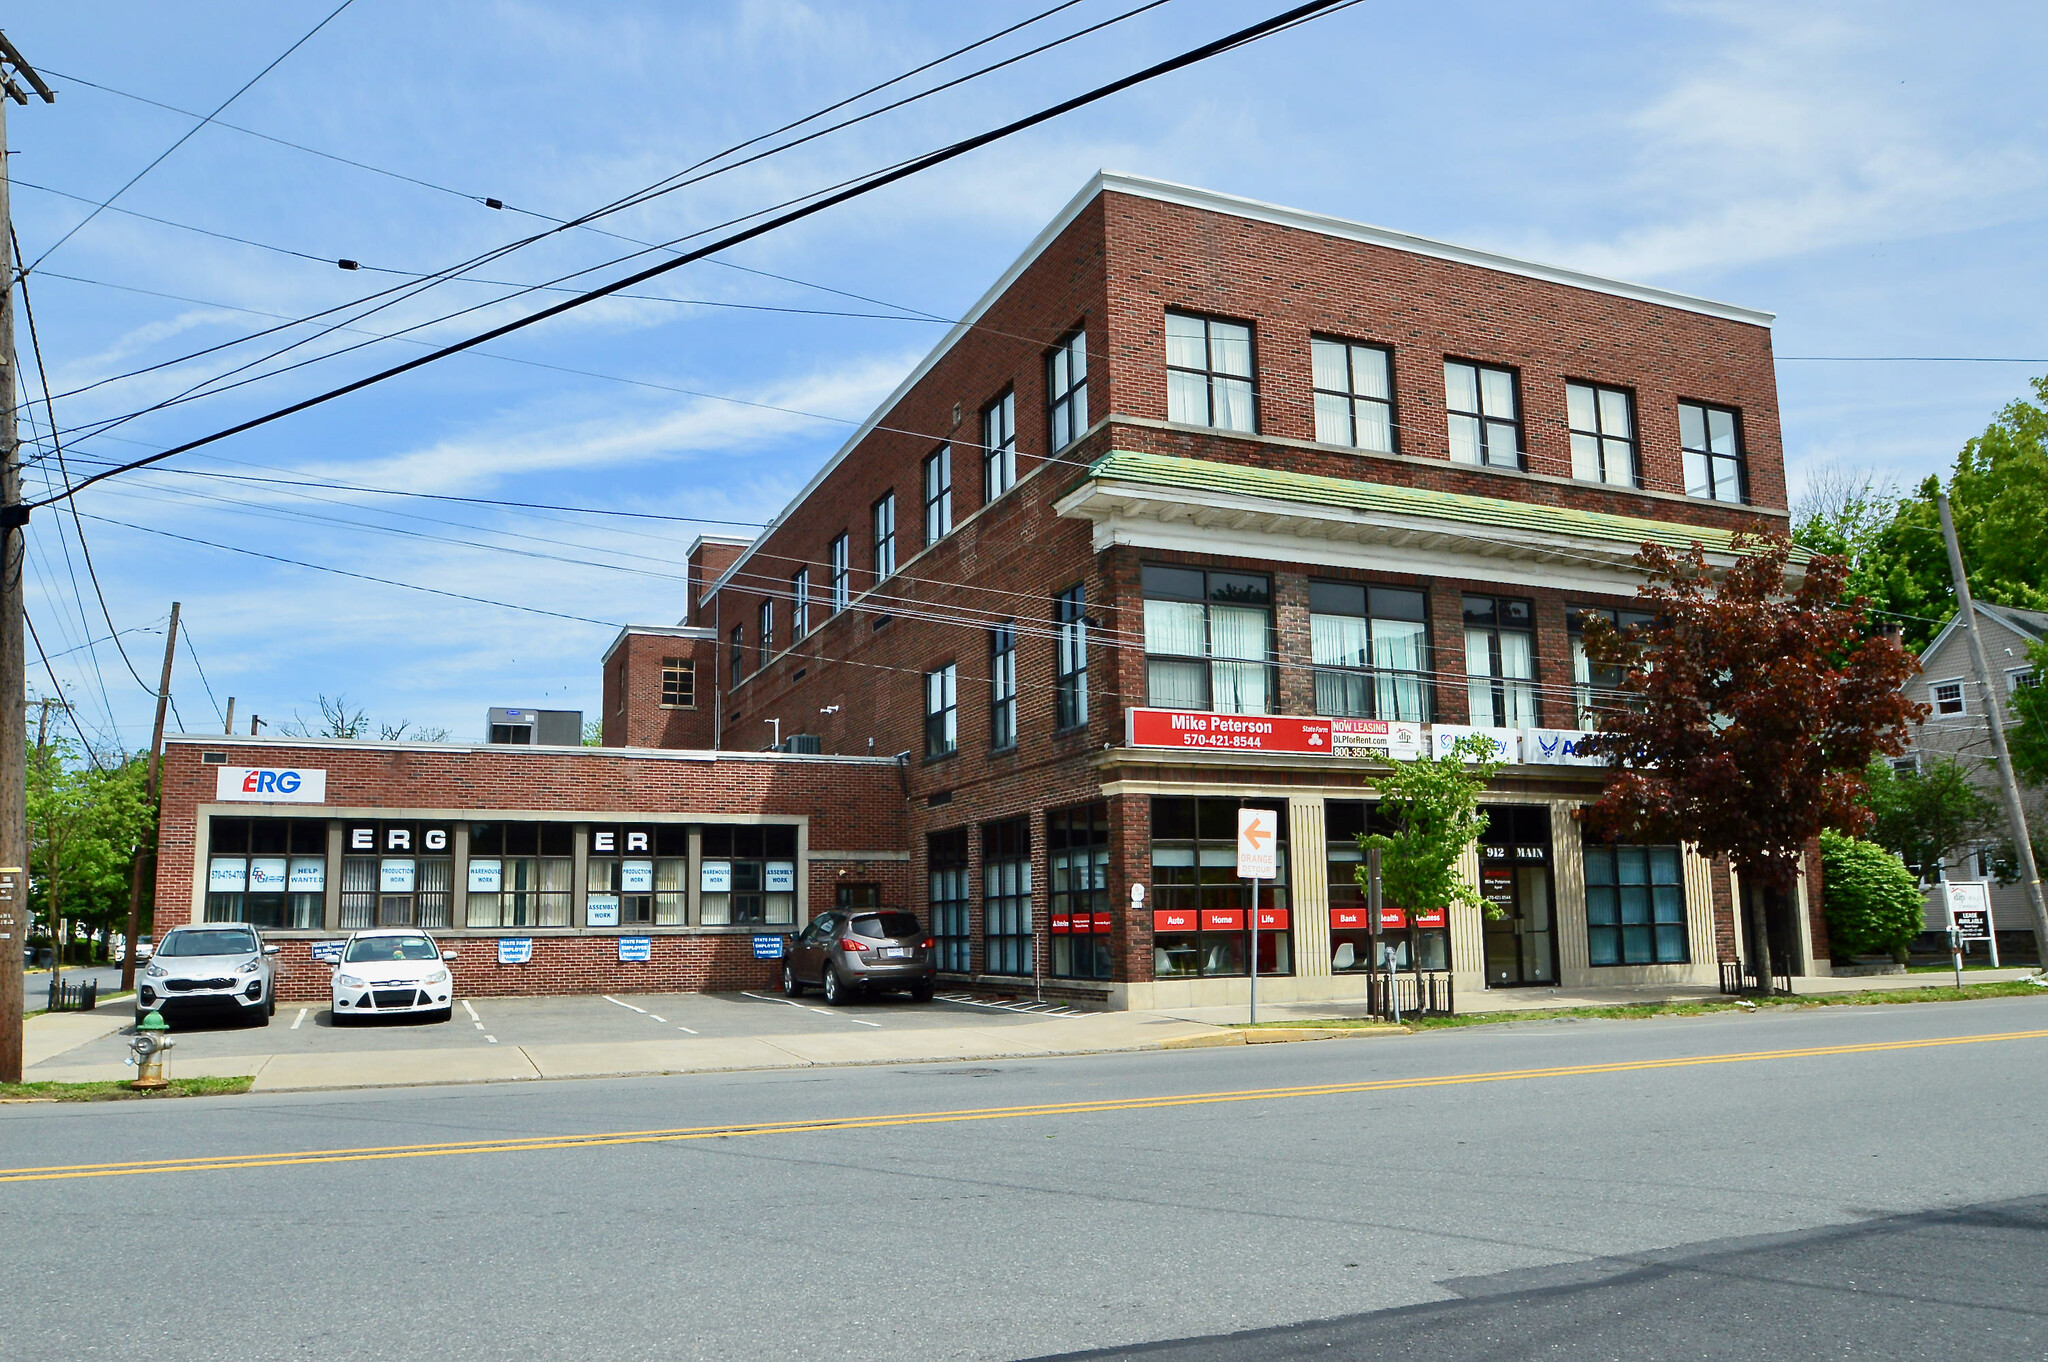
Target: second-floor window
x=938 y=494
x=1486 y=419
x=884 y=516
x=1500 y=661
x=838 y=565
x=1370 y=646
x=767 y=631
x=1208 y=640
x=1596 y=690
x=942 y=711
x=1711 y=440
x=1354 y=388
x=999 y=446
x=800 y=603
x=1066 y=391
x=678 y=683
x=1002 y=686
x=1070 y=664
x=1209 y=373
x=1603 y=428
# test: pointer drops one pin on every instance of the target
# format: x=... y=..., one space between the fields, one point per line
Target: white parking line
x=685 y=1028
x=301 y=1017
x=662 y=1020
x=628 y=1006
x=470 y=1010
x=826 y=1011
x=1034 y=1009
x=492 y=1039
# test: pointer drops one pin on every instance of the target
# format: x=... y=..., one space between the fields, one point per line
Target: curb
x=1278 y=1035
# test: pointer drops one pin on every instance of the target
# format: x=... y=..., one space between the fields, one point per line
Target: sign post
x=1258 y=836
x=1373 y=898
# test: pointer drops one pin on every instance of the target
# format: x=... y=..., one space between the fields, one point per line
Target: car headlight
x=156 y=971
x=439 y=976
x=348 y=981
x=250 y=967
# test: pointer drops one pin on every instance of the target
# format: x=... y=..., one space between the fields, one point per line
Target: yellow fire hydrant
x=148 y=1052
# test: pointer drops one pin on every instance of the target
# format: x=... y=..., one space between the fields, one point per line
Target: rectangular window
x=1500 y=661
x=1596 y=689
x=748 y=877
x=1002 y=687
x=1485 y=417
x=520 y=875
x=766 y=632
x=1209 y=373
x=2020 y=678
x=1208 y=640
x=1370 y=646
x=1603 y=429
x=739 y=653
x=1413 y=945
x=272 y=872
x=1635 y=906
x=1070 y=663
x=999 y=446
x=1711 y=440
x=637 y=876
x=800 y=604
x=678 y=683
x=1006 y=897
x=883 y=516
x=1066 y=388
x=949 y=901
x=1199 y=903
x=1948 y=699
x=938 y=494
x=1077 y=865
x=942 y=711
x=1354 y=394
x=840 y=564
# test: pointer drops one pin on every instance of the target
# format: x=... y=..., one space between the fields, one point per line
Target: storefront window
x=520 y=874
x=1077 y=860
x=948 y=852
x=748 y=876
x=636 y=875
x=1006 y=897
x=397 y=875
x=1428 y=946
x=1199 y=903
x=269 y=872
x=1635 y=906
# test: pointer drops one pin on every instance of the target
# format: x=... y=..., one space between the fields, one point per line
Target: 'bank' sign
x=271 y=785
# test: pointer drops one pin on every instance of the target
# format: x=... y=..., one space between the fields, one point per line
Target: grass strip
x=117 y=1090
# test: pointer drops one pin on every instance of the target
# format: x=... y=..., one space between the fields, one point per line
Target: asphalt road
x=1851 y=1182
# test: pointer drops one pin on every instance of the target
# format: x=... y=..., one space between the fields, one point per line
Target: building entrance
x=1514 y=879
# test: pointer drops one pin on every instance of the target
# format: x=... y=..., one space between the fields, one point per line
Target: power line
x=186 y=137
x=856 y=189
x=1909 y=359
x=193 y=653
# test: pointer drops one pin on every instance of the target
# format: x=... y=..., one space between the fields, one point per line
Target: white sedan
x=390 y=971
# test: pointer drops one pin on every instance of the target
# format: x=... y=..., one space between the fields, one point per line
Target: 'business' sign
x=271 y=785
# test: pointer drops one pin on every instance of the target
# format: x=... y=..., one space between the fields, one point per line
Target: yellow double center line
x=515 y=1145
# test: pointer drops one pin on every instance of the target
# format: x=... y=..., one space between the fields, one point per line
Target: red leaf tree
x=1748 y=713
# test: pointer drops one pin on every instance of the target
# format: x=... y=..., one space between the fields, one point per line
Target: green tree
x=1872 y=901
x=2027 y=736
x=87 y=822
x=1925 y=815
x=1433 y=803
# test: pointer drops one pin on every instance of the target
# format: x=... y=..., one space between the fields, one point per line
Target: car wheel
x=790 y=987
x=263 y=1015
x=835 y=992
x=921 y=992
x=270 y=1003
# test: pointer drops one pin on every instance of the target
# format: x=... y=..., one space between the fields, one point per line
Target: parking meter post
x=1372 y=927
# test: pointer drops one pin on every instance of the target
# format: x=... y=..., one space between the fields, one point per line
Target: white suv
x=217 y=968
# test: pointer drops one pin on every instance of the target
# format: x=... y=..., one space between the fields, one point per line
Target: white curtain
x=1174 y=627
x=1338 y=641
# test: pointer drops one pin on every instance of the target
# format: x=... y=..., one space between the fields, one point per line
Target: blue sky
x=1877 y=174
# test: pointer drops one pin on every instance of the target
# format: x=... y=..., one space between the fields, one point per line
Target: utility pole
x=43 y=720
x=230 y=728
x=13 y=648
x=156 y=751
x=2015 y=812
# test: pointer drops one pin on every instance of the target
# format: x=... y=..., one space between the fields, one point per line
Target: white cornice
x=659 y=631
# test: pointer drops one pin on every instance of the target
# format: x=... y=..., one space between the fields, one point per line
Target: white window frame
x=1962 y=710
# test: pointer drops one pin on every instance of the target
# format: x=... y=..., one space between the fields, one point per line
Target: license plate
x=895 y=952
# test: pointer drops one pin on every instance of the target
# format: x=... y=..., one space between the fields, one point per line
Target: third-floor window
x=1066 y=391
x=999 y=446
x=767 y=632
x=1209 y=372
x=938 y=494
x=883 y=515
x=1486 y=420
x=1603 y=427
x=838 y=563
x=1354 y=387
x=1711 y=438
x=1002 y=689
x=800 y=603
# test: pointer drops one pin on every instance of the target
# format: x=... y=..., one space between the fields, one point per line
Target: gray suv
x=848 y=953
x=216 y=968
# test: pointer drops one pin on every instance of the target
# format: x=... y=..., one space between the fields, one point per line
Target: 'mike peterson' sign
x=271 y=785
x=1227 y=732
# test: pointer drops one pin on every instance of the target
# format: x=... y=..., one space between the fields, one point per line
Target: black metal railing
x=1739 y=976
x=79 y=997
x=1421 y=994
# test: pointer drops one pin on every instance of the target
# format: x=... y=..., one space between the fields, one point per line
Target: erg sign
x=271 y=785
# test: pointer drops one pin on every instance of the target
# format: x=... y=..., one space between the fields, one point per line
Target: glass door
x=1514 y=879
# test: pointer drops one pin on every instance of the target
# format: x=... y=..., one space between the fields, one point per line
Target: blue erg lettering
x=288 y=782
x=266 y=782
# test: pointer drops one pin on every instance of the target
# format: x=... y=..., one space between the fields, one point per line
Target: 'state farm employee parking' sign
x=271 y=785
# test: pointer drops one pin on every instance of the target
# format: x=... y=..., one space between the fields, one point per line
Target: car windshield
x=883 y=925
x=379 y=949
x=208 y=943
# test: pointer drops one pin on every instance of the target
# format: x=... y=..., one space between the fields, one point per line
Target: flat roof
x=225 y=741
x=1165 y=191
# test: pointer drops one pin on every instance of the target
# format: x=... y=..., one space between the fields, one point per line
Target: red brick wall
x=633 y=713
x=569 y=964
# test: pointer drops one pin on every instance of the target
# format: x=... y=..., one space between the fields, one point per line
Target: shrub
x=1872 y=902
